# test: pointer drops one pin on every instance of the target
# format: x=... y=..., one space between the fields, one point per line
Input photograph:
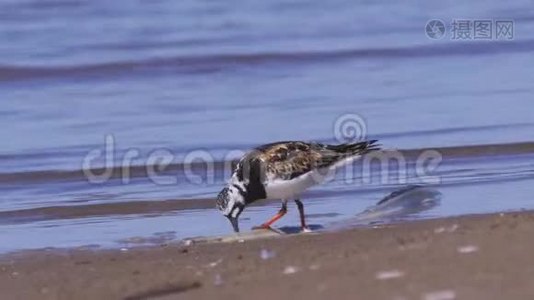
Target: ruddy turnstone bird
x=283 y=170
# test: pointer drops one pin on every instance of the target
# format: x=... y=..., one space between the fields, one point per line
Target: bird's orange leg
x=276 y=217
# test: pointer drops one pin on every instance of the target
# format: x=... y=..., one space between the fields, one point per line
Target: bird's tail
x=359 y=148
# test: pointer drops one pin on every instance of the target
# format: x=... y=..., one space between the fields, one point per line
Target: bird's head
x=231 y=203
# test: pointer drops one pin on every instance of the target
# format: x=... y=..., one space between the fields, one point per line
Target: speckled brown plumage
x=287 y=160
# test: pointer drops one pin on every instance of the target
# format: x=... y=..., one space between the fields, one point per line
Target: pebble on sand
x=449 y=229
x=267 y=254
x=440 y=295
x=218 y=280
x=467 y=249
x=390 y=274
x=290 y=270
x=215 y=263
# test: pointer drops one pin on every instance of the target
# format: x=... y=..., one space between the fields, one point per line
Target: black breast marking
x=250 y=170
x=241 y=191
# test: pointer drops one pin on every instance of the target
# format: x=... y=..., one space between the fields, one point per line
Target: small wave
x=141 y=171
x=451 y=130
x=215 y=63
x=140 y=207
x=115 y=173
x=102 y=209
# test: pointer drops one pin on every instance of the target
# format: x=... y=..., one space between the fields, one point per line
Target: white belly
x=291 y=189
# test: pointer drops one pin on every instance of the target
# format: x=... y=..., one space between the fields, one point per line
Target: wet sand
x=470 y=257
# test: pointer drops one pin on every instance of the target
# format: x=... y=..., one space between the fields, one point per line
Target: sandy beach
x=469 y=257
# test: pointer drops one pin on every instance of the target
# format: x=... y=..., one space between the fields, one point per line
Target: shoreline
x=467 y=257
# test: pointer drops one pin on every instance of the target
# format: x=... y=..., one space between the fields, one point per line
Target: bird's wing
x=287 y=160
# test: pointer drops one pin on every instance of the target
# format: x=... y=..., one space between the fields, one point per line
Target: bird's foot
x=306 y=229
x=262 y=226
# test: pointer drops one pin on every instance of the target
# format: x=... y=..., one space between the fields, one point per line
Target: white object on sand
x=390 y=274
x=267 y=254
x=467 y=249
x=440 y=295
x=290 y=270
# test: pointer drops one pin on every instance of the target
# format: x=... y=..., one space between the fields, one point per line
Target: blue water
x=226 y=76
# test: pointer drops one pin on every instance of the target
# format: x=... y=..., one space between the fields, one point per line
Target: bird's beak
x=235 y=224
